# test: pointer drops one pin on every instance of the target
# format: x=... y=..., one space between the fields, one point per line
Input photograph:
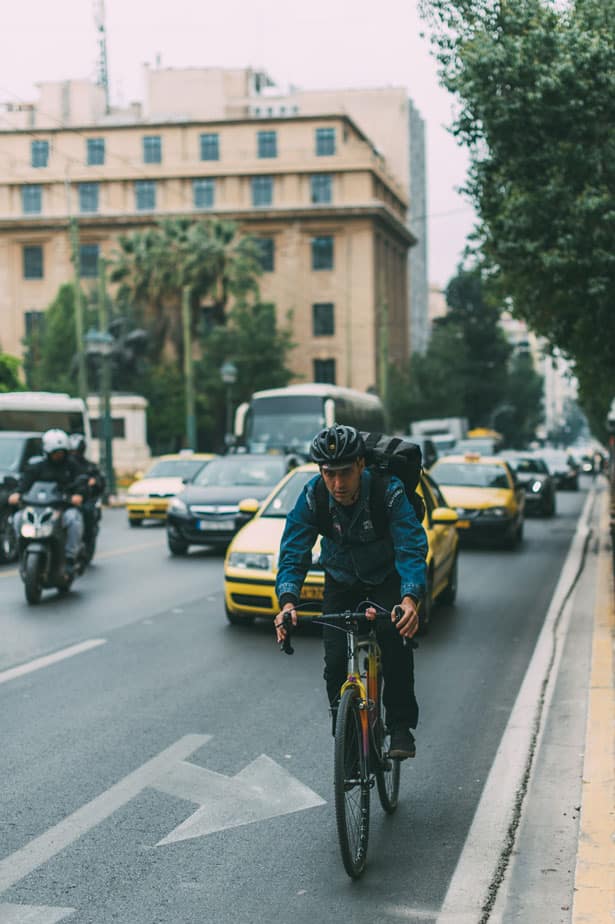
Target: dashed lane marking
x=13 y=672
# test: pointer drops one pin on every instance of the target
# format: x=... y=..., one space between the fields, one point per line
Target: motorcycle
x=92 y=515
x=42 y=541
x=8 y=539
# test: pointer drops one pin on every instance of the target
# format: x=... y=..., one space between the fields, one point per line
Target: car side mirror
x=249 y=506
x=444 y=516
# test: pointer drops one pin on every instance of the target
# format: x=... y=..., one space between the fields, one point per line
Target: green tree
x=212 y=257
x=523 y=410
x=9 y=373
x=535 y=85
x=464 y=372
x=259 y=350
x=51 y=350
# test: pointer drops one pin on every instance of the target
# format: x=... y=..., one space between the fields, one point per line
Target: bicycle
x=362 y=741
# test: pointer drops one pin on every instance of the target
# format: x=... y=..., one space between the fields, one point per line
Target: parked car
x=207 y=511
x=489 y=500
x=250 y=566
x=532 y=472
x=562 y=466
x=16 y=450
x=149 y=496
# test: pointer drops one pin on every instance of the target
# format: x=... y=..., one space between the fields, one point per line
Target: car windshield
x=10 y=448
x=286 y=496
x=175 y=468
x=486 y=447
x=470 y=475
x=243 y=470
x=528 y=466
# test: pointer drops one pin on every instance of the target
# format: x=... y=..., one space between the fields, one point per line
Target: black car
x=16 y=450
x=563 y=468
x=533 y=473
x=207 y=510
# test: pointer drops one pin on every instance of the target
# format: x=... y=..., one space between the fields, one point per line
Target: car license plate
x=312 y=593
x=463 y=524
x=215 y=525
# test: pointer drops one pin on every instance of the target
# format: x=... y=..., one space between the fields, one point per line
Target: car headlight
x=536 y=487
x=460 y=511
x=28 y=530
x=178 y=506
x=495 y=512
x=257 y=560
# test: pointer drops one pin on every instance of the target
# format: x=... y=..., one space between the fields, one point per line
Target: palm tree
x=212 y=258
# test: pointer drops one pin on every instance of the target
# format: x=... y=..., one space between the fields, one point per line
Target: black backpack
x=384 y=456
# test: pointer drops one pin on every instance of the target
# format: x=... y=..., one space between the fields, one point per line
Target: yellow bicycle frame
x=368 y=695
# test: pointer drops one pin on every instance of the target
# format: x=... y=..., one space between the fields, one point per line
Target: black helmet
x=337 y=446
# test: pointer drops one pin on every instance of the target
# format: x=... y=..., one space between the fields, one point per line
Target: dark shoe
x=69 y=568
x=402 y=743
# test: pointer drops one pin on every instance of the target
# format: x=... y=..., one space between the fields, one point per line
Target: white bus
x=288 y=418
x=37 y=411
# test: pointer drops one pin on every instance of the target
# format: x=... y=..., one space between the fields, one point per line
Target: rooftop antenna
x=102 y=73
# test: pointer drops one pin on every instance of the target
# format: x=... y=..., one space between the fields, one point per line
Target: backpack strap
x=324 y=520
x=377 y=509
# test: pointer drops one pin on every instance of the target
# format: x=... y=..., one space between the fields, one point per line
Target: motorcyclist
x=56 y=466
x=96 y=480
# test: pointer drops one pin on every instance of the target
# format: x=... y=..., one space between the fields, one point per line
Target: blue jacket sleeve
x=409 y=541
x=295 y=558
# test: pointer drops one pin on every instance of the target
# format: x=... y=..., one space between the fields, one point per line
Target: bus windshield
x=37 y=420
x=288 y=424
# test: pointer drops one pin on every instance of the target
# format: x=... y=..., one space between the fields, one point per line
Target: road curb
x=594 y=883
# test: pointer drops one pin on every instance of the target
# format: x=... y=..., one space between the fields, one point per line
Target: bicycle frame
x=368 y=689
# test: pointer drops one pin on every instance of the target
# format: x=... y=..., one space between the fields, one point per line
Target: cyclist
x=358 y=564
x=57 y=466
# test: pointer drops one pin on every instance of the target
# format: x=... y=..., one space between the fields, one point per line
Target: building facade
x=329 y=210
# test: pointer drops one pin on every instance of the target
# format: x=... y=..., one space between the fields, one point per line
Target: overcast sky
x=315 y=43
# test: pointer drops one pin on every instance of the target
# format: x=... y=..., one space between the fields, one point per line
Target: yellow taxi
x=251 y=562
x=149 y=496
x=489 y=501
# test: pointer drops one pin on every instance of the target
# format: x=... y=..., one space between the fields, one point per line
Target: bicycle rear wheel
x=351 y=787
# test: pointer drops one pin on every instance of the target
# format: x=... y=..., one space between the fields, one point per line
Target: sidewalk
x=562 y=864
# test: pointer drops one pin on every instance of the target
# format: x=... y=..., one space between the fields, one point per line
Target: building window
x=322 y=253
x=118 y=426
x=88 y=197
x=88 y=261
x=39 y=153
x=267 y=144
x=210 y=146
x=33 y=261
x=262 y=190
x=203 y=193
x=95 y=151
x=32 y=199
x=324 y=371
x=267 y=253
x=325 y=142
x=34 y=323
x=152 y=149
x=323 y=323
x=321 y=188
x=145 y=195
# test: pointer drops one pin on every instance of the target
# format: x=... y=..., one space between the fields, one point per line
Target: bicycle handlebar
x=348 y=616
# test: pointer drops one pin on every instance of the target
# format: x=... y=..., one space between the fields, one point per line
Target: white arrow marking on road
x=32 y=914
x=19 y=864
x=261 y=790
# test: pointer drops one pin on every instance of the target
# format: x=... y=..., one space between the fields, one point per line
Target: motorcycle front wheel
x=32 y=578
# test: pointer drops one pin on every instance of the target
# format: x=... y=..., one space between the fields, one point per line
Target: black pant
x=397 y=660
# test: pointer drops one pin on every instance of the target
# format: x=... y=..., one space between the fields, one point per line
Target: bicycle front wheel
x=351 y=786
x=387 y=778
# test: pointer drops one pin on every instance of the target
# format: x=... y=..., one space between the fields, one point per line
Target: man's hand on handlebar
x=408 y=624
x=279 y=619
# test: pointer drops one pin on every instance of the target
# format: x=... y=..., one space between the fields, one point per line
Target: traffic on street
x=161 y=764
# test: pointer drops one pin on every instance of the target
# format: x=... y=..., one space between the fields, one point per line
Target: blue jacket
x=356 y=553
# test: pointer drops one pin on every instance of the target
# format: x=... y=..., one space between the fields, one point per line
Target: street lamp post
x=100 y=343
x=228 y=371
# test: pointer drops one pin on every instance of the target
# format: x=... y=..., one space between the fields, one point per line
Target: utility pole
x=82 y=378
x=188 y=370
x=105 y=380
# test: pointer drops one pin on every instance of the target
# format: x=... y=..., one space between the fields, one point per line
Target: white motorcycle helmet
x=54 y=440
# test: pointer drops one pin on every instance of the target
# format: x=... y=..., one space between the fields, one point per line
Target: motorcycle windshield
x=44 y=493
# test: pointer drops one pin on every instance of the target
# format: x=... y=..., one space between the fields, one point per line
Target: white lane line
x=489 y=833
x=46 y=660
x=20 y=864
x=32 y=914
x=101 y=556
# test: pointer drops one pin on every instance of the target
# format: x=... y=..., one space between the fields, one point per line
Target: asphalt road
x=101 y=758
